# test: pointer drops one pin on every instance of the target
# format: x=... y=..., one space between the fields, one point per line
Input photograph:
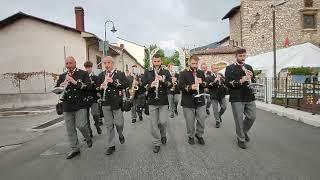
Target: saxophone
x=134 y=87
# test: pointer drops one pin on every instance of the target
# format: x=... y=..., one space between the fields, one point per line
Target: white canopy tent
x=307 y=55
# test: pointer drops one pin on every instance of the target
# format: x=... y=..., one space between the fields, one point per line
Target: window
x=309 y=21
x=99 y=63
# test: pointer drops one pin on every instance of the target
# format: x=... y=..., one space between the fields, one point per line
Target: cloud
x=184 y=22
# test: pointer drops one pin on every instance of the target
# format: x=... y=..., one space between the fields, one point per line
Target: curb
x=25 y=113
x=297 y=115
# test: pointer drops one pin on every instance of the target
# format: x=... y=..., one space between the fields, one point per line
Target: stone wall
x=235 y=30
x=257 y=26
x=216 y=58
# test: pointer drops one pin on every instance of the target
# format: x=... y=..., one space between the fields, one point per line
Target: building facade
x=251 y=24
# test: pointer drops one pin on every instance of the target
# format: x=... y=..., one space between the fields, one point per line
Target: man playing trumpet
x=238 y=76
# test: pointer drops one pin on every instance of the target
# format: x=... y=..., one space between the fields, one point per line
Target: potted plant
x=300 y=74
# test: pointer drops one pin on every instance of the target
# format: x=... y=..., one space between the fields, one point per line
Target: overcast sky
x=180 y=22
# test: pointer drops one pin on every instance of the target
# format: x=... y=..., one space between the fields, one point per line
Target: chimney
x=122 y=46
x=79 y=12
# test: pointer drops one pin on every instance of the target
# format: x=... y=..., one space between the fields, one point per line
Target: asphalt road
x=279 y=149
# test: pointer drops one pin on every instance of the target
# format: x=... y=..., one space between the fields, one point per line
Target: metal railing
x=288 y=93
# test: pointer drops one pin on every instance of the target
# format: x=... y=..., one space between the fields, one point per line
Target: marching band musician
x=157 y=81
x=136 y=93
x=207 y=73
x=75 y=102
x=238 y=76
x=217 y=91
x=173 y=93
x=192 y=82
x=93 y=94
x=111 y=83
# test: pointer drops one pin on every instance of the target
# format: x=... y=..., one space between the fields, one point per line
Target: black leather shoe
x=208 y=111
x=134 y=120
x=172 y=115
x=156 y=149
x=164 y=140
x=191 y=141
x=217 y=124
x=99 y=130
x=246 y=137
x=242 y=144
x=89 y=143
x=122 y=140
x=176 y=112
x=110 y=150
x=140 y=118
x=73 y=154
x=200 y=140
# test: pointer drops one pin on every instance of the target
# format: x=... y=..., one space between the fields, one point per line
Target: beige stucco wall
x=134 y=49
x=28 y=46
x=257 y=31
x=127 y=60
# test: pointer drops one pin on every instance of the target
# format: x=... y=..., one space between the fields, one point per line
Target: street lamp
x=105 y=35
x=273 y=6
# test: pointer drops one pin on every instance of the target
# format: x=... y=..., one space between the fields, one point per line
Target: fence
x=288 y=93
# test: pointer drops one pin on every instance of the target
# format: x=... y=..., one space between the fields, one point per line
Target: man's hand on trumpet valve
x=245 y=78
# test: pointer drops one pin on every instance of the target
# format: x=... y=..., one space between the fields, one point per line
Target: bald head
x=108 y=62
x=70 y=63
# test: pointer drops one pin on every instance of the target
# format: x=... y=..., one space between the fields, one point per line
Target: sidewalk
x=294 y=114
x=17 y=130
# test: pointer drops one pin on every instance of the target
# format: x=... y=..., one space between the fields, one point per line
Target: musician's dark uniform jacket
x=113 y=96
x=148 y=78
x=186 y=79
x=93 y=88
x=217 y=90
x=176 y=89
x=76 y=95
x=238 y=92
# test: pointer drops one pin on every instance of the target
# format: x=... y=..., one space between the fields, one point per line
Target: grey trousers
x=73 y=120
x=113 y=118
x=215 y=107
x=158 y=124
x=173 y=102
x=195 y=114
x=134 y=109
x=243 y=125
x=208 y=102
